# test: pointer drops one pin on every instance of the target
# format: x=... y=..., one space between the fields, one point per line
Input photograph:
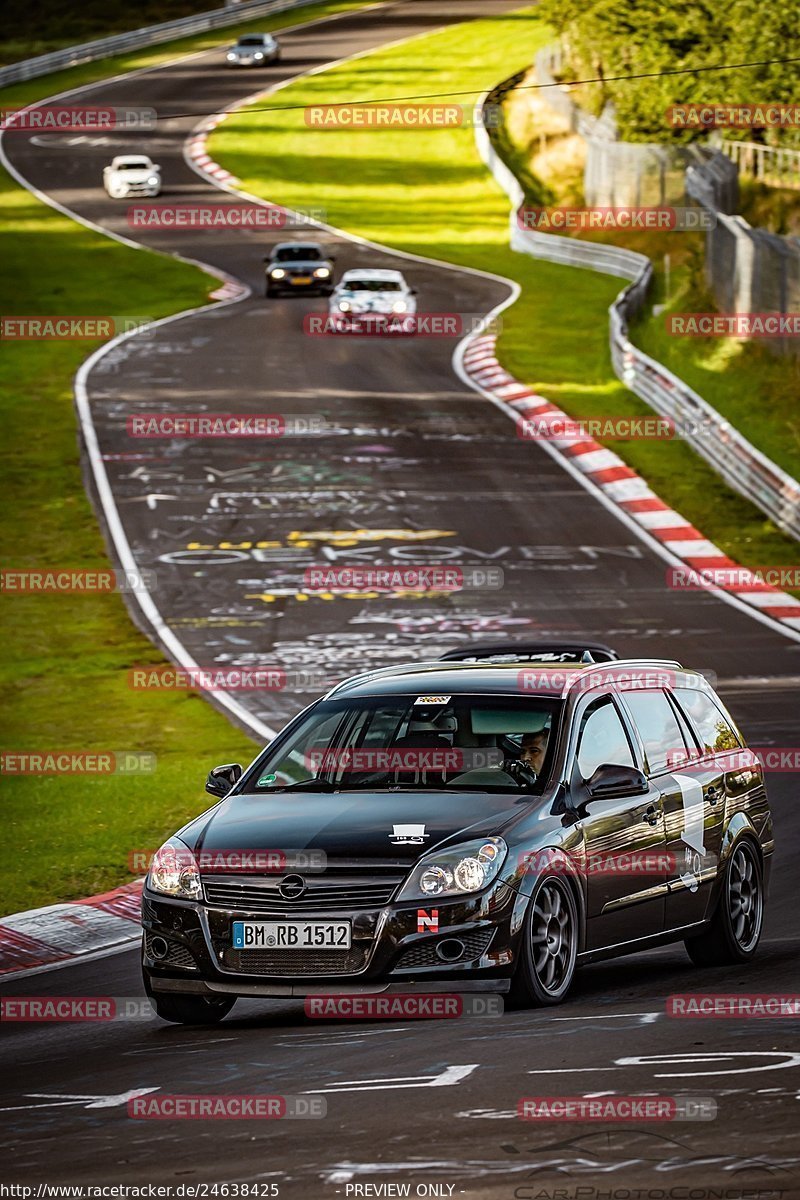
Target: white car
x=363 y=297
x=253 y=50
x=132 y=175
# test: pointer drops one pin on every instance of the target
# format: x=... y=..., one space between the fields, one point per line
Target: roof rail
x=555 y=651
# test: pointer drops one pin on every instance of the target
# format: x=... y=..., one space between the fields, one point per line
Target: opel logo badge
x=291 y=887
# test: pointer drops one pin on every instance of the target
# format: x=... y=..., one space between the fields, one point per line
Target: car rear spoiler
x=546 y=652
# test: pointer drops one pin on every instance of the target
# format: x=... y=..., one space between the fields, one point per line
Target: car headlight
x=456 y=871
x=399 y=306
x=345 y=306
x=322 y=273
x=152 y=181
x=231 y=57
x=258 y=54
x=277 y=273
x=174 y=871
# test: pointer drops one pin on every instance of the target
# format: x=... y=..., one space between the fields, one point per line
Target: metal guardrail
x=741 y=465
x=136 y=39
x=772 y=165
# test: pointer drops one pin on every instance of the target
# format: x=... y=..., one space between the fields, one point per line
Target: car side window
x=664 y=744
x=602 y=739
x=714 y=731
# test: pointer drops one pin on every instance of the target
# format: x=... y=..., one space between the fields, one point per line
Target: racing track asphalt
x=413 y=450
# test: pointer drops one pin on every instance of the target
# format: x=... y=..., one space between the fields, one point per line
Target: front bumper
x=388 y=952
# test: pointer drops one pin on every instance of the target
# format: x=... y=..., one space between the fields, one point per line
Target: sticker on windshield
x=408 y=835
x=432 y=700
x=266 y=779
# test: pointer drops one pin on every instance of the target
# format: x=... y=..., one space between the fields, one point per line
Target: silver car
x=253 y=50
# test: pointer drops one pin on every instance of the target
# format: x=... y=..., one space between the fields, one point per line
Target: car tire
x=735 y=928
x=549 y=947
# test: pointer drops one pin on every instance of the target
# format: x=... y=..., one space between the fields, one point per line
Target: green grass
x=63 y=682
x=50 y=25
x=429 y=193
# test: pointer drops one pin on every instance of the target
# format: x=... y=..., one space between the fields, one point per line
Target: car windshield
x=297 y=254
x=372 y=285
x=475 y=743
x=251 y=41
x=139 y=164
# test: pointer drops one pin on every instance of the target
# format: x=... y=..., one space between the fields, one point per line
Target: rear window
x=714 y=731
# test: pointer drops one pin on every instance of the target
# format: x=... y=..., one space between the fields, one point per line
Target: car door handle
x=652 y=815
x=712 y=795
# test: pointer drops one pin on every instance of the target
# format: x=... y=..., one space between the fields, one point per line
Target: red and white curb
x=61 y=933
x=626 y=490
x=197 y=152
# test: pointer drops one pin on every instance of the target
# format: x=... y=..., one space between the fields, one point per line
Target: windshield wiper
x=304 y=785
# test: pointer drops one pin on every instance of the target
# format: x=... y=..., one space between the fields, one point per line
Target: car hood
x=354 y=824
x=137 y=176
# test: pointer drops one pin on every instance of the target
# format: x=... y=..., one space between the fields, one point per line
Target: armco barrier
x=151 y=35
x=740 y=464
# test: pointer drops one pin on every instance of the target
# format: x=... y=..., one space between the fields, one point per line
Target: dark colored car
x=299 y=267
x=465 y=827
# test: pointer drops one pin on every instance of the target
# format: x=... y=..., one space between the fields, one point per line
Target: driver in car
x=533 y=748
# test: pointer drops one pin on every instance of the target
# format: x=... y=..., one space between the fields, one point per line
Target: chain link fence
x=724 y=448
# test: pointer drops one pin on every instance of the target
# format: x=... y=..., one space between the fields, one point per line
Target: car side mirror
x=611 y=780
x=412 y=291
x=331 y=258
x=221 y=779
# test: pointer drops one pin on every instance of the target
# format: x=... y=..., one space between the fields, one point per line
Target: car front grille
x=424 y=954
x=324 y=894
x=293 y=963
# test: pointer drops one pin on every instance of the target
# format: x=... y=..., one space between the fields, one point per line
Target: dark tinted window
x=602 y=739
x=658 y=728
x=371 y=285
x=713 y=729
x=297 y=254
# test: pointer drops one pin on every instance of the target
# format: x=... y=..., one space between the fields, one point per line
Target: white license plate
x=291 y=935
